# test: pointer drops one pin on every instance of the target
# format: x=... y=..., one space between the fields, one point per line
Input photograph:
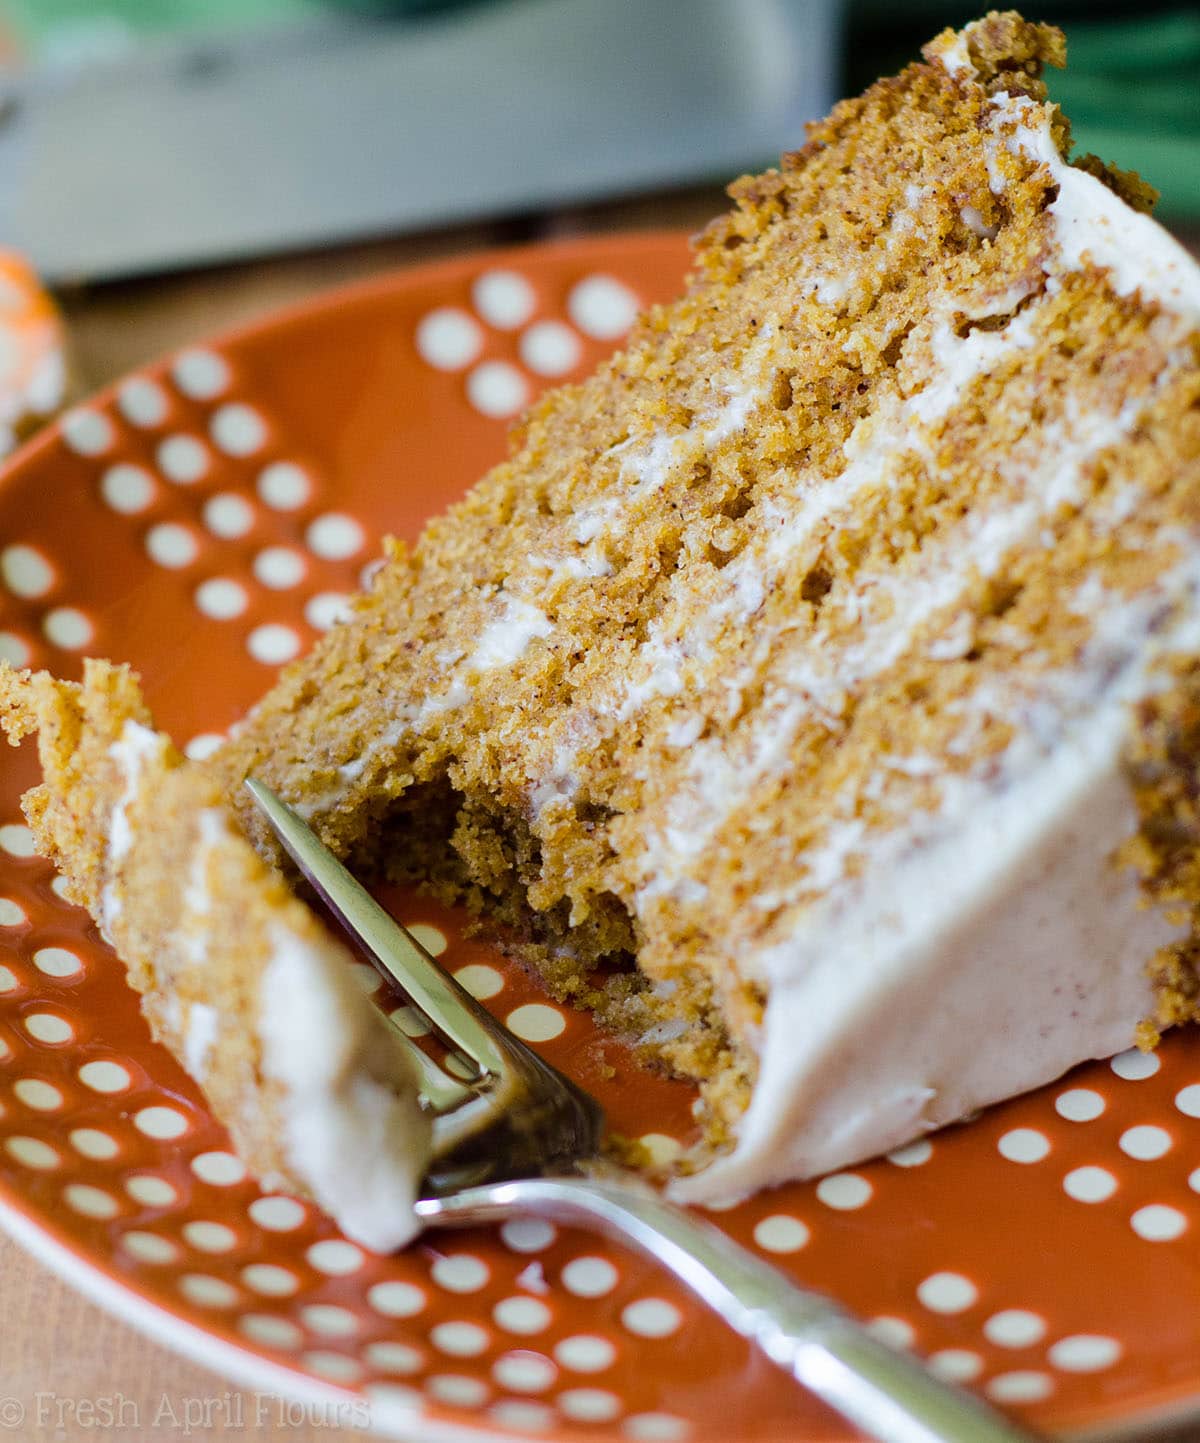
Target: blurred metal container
x=203 y=150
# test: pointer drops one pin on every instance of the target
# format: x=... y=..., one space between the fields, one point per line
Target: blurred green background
x=1132 y=90
x=1132 y=86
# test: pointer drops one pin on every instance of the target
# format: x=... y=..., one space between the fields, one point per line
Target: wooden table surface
x=60 y=1354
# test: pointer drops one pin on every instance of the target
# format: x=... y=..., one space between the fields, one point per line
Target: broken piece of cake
x=813 y=692
x=236 y=976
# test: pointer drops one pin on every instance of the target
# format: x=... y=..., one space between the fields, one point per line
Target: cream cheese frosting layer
x=359 y=1142
x=983 y=951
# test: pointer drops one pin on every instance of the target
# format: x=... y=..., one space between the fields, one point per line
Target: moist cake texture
x=813 y=690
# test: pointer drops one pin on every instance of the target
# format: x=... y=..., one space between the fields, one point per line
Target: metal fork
x=521 y=1138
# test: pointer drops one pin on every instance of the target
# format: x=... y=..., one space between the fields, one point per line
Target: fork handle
x=880 y=1390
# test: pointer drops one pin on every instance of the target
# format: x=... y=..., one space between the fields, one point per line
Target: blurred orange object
x=32 y=352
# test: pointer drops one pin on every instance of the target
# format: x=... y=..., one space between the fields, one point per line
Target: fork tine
x=521 y=1112
x=451 y=1010
x=440 y=1092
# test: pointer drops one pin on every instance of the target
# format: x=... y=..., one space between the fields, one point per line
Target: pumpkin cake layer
x=791 y=657
x=812 y=692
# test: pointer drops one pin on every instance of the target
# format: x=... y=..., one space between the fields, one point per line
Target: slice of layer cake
x=813 y=691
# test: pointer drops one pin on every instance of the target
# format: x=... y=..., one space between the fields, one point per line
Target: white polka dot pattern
x=182 y=459
x=504 y=299
x=279 y=567
x=480 y=980
x=201 y=375
x=433 y=939
x=781 y=1234
x=656 y=1428
x=152 y=1192
x=550 y=348
x=258 y=538
x=14 y=650
x=94 y=1142
x=105 y=1076
x=589 y=1277
x=651 y=1318
x=330 y=1321
x=238 y=429
x=228 y=515
x=523 y=1316
x=270 y=1280
x=1158 y=1223
x=336 y=1257
x=221 y=598
x=32 y=1152
x=1135 y=1066
x=497 y=389
x=1014 y=1328
x=326 y=609
x=915 y=1154
x=87 y=432
x=68 y=627
x=277 y=1214
x=1020 y=1386
x=25 y=571
x=48 y=1027
x=221 y=1169
x=284 y=486
x=1090 y=1184
x=460 y=1273
x=603 y=307
x=127 y=489
x=460 y=1340
x=844 y=1191
x=335 y=537
x=273 y=644
x=1145 y=1142
x=457 y=1389
x=536 y=1022
x=1084 y=1353
x=1024 y=1144
x=528 y=1235
x=38 y=1095
x=1079 y=1104
x=589 y=1405
x=956 y=1365
x=171 y=545
x=210 y=1237
x=16 y=839
x=161 y=1122
x=271 y=1331
x=149 y=1247
x=91 y=1202
x=585 y=1353
x=142 y=402
x=449 y=339
x=396 y=1300
x=947 y=1293
x=55 y=961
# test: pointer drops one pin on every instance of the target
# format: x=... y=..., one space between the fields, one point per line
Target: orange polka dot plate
x=205 y=519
